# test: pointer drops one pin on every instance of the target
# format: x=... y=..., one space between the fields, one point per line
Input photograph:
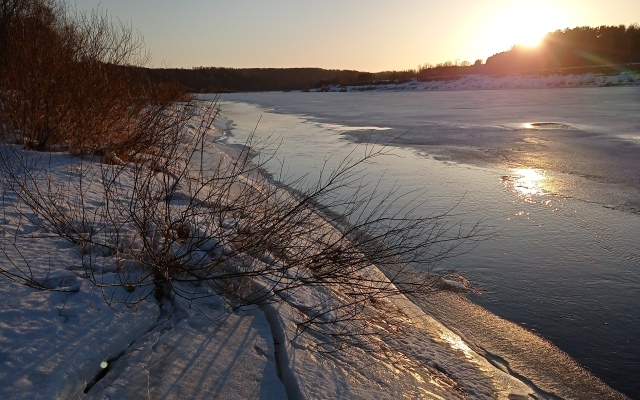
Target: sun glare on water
x=529 y=181
x=533 y=185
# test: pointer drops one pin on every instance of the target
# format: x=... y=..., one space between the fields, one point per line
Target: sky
x=365 y=35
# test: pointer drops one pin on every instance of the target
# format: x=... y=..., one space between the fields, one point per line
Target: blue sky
x=371 y=35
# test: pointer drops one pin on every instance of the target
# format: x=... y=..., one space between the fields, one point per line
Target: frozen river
x=553 y=174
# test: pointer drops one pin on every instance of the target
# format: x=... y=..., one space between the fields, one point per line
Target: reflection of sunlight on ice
x=529 y=181
x=346 y=128
x=456 y=343
x=533 y=186
x=526 y=182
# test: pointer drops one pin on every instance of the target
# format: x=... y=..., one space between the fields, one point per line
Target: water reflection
x=533 y=185
x=526 y=182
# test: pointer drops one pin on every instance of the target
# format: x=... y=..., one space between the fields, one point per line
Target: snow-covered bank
x=484 y=82
x=53 y=343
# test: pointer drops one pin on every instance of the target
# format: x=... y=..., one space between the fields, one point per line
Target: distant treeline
x=573 y=50
x=577 y=47
x=221 y=80
x=578 y=50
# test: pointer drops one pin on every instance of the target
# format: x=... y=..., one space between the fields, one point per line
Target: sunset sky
x=372 y=35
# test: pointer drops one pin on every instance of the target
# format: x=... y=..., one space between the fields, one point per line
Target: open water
x=553 y=174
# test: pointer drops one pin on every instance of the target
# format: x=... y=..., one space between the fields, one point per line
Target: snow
x=515 y=81
x=55 y=343
x=218 y=353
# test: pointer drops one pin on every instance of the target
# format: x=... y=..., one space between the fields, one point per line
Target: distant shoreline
x=246 y=80
x=485 y=82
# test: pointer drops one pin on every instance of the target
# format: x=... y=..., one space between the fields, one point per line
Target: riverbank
x=70 y=338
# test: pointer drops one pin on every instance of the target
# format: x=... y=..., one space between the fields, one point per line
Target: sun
x=520 y=24
x=527 y=24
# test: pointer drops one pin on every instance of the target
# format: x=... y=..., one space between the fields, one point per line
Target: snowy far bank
x=483 y=82
x=77 y=341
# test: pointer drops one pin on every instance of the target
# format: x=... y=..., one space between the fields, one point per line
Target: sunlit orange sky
x=371 y=35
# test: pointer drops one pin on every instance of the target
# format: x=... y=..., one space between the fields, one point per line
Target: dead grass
x=74 y=82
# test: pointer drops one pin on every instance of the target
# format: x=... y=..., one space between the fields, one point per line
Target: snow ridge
x=285 y=369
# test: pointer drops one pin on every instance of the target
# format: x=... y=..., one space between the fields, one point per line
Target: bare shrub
x=185 y=223
x=166 y=215
x=74 y=82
